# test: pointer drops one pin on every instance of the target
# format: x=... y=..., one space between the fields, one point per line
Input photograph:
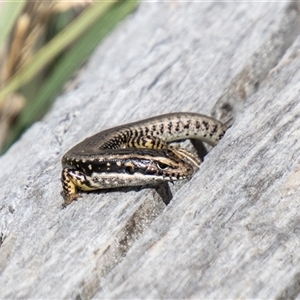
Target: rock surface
x=232 y=231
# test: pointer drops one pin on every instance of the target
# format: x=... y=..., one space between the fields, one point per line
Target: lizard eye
x=129 y=170
x=162 y=166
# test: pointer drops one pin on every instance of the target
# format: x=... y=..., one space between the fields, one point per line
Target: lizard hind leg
x=187 y=157
x=148 y=141
x=154 y=142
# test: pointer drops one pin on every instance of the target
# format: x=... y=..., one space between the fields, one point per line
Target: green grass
x=84 y=34
x=8 y=16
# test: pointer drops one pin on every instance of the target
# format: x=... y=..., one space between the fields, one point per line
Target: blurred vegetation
x=42 y=44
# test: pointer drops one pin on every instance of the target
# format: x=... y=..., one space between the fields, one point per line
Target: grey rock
x=232 y=231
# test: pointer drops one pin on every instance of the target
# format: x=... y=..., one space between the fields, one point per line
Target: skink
x=137 y=153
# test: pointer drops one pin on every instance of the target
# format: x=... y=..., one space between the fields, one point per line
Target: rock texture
x=232 y=231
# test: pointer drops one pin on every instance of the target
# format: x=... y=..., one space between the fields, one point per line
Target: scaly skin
x=137 y=153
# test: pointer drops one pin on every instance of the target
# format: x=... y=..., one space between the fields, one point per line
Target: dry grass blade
x=54 y=47
x=99 y=19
